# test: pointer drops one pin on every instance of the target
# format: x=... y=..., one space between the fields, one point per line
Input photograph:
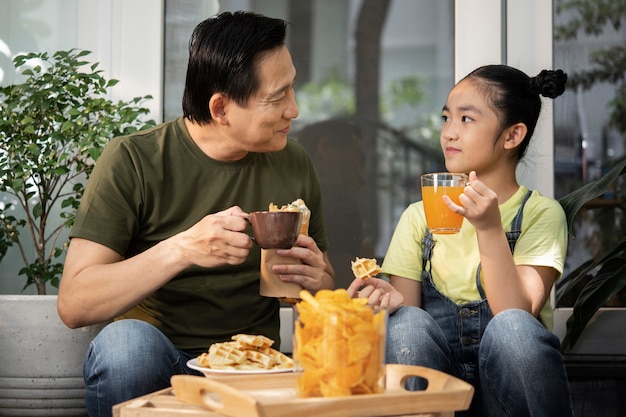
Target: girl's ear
x=217 y=108
x=515 y=135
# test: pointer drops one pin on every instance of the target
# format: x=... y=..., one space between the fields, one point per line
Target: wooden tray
x=274 y=395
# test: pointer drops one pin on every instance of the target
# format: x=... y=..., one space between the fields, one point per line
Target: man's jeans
x=520 y=369
x=128 y=359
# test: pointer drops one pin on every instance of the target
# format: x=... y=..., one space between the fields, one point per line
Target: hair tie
x=548 y=83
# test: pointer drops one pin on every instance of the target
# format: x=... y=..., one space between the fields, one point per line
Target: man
x=160 y=238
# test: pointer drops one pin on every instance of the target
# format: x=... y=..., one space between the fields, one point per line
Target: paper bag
x=271 y=285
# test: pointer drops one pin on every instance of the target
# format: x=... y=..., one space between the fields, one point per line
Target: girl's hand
x=379 y=293
x=479 y=204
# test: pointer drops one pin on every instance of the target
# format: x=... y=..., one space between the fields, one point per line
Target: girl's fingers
x=384 y=301
x=353 y=289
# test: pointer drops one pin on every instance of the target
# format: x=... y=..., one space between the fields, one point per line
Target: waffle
x=264 y=360
x=245 y=352
x=365 y=268
x=253 y=340
x=223 y=356
x=296 y=205
x=282 y=361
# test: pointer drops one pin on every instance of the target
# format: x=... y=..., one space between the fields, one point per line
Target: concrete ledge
x=286 y=330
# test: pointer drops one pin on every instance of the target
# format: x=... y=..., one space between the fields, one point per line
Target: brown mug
x=275 y=229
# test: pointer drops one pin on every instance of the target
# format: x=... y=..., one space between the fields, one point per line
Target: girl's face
x=471 y=135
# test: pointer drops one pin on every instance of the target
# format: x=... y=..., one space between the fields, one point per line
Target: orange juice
x=439 y=217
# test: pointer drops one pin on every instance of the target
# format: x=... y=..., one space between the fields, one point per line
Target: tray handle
x=215 y=396
x=397 y=375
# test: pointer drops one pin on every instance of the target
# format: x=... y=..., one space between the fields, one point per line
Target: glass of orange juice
x=439 y=217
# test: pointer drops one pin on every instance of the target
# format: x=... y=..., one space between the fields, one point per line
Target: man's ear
x=217 y=108
x=515 y=135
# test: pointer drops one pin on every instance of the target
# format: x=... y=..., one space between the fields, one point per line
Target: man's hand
x=313 y=273
x=217 y=239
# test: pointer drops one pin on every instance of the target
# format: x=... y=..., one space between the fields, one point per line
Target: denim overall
x=463 y=324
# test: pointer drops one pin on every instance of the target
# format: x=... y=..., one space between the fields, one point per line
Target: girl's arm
x=409 y=288
x=507 y=285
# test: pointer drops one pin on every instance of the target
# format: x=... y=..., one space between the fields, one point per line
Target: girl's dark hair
x=515 y=96
x=222 y=54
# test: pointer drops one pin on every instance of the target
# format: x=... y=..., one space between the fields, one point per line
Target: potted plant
x=594 y=282
x=53 y=127
x=599 y=279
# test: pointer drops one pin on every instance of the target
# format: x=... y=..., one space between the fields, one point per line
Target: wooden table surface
x=274 y=395
x=164 y=403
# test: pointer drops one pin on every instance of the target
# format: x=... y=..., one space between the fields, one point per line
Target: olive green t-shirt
x=156 y=183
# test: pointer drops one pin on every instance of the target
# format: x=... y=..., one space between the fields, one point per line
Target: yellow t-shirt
x=543 y=242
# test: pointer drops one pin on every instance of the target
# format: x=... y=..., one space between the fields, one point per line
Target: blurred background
x=372 y=78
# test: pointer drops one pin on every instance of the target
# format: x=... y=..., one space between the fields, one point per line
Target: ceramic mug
x=275 y=229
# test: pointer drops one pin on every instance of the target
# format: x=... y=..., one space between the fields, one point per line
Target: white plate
x=193 y=364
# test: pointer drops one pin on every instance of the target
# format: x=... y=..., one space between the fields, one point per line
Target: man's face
x=263 y=124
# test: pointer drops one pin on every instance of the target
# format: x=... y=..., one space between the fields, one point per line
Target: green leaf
x=609 y=281
x=37 y=210
x=568 y=286
x=67 y=125
x=574 y=201
x=33 y=148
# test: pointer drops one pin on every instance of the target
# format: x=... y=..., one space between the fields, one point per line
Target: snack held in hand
x=245 y=352
x=365 y=268
x=339 y=344
x=271 y=285
x=296 y=205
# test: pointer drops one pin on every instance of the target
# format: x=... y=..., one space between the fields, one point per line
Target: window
x=38 y=26
x=587 y=141
x=397 y=136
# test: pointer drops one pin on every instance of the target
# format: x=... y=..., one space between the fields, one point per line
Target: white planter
x=41 y=360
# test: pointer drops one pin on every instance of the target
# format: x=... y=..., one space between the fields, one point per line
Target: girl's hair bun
x=548 y=83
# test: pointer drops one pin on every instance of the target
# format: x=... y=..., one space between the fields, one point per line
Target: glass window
x=27 y=26
x=589 y=123
x=370 y=117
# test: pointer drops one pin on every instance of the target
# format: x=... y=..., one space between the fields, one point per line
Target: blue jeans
x=520 y=370
x=128 y=359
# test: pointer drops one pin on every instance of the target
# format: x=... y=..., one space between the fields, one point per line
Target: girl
x=476 y=304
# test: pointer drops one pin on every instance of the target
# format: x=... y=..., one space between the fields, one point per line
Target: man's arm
x=98 y=284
